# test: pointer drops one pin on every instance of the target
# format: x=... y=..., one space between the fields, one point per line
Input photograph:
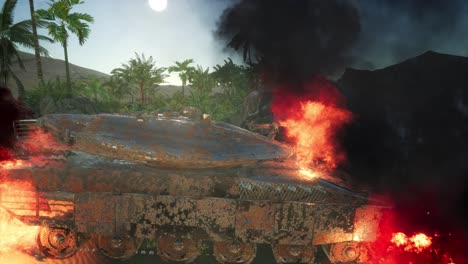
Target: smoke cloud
x=366 y=34
x=293 y=40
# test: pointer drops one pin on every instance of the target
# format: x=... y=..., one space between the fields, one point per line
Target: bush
x=55 y=89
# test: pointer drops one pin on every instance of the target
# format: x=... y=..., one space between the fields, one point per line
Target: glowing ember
x=40 y=141
x=416 y=243
x=5 y=154
x=399 y=239
x=308 y=174
x=13 y=164
x=312 y=120
x=421 y=241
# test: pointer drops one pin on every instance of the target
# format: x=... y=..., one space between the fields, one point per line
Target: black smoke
x=292 y=40
x=9 y=111
x=410 y=140
x=378 y=32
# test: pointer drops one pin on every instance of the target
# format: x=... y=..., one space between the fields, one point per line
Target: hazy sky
x=123 y=27
x=391 y=30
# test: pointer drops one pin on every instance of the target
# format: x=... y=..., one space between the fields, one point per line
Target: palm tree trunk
x=183 y=90
x=67 y=69
x=142 y=94
x=37 y=53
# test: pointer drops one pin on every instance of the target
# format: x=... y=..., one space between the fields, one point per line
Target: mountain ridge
x=52 y=69
x=55 y=68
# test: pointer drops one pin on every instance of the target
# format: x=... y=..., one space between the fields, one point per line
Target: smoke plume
x=293 y=40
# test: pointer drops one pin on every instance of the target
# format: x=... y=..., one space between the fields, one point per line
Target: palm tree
x=62 y=21
x=202 y=80
x=184 y=69
x=37 y=52
x=202 y=85
x=141 y=72
x=12 y=35
x=117 y=87
x=95 y=89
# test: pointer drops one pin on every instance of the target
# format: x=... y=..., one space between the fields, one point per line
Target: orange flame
x=312 y=119
x=416 y=243
x=13 y=164
x=14 y=234
x=20 y=197
x=399 y=239
x=314 y=133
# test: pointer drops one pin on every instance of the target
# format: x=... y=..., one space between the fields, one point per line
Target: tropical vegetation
x=134 y=86
x=184 y=69
x=141 y=72
x=13 y=35
x=62 y=22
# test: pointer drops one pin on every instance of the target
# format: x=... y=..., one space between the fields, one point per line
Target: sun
x=158 y=5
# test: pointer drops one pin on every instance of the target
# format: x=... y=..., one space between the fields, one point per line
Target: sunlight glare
x=158 y=5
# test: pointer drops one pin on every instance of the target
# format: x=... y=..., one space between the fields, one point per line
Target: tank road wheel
x=57 y=242
x=348 y=252
x=294 y=253
x=176 y=248
x=118 y=247
x=234 y=252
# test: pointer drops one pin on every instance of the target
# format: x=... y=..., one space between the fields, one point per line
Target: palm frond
x=81 y=17
x=60 y=9
x=42 y=22
x=57 y=32
x=13 y=50
x=25 y=25
x=43 y=14
x=80 y=29
x=45 y=38
x=7 y=13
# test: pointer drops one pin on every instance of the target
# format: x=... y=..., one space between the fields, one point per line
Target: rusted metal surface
x=95 y=212
x=57 y=242
x=258 y=190
x=366 y=222
x=234 y=252
x=23 y=128
x=113 y=198
x=177 y=248
x=167 y=142
x=294 y=253
x=121 y=248
x=349 y=251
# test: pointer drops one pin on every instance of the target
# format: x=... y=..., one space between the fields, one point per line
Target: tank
x=182 y=180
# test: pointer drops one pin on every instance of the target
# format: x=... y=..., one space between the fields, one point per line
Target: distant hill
x=52 y=69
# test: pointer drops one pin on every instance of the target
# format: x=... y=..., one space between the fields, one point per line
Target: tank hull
x=236 y=201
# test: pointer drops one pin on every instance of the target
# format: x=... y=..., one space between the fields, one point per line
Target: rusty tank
x=183 y=179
